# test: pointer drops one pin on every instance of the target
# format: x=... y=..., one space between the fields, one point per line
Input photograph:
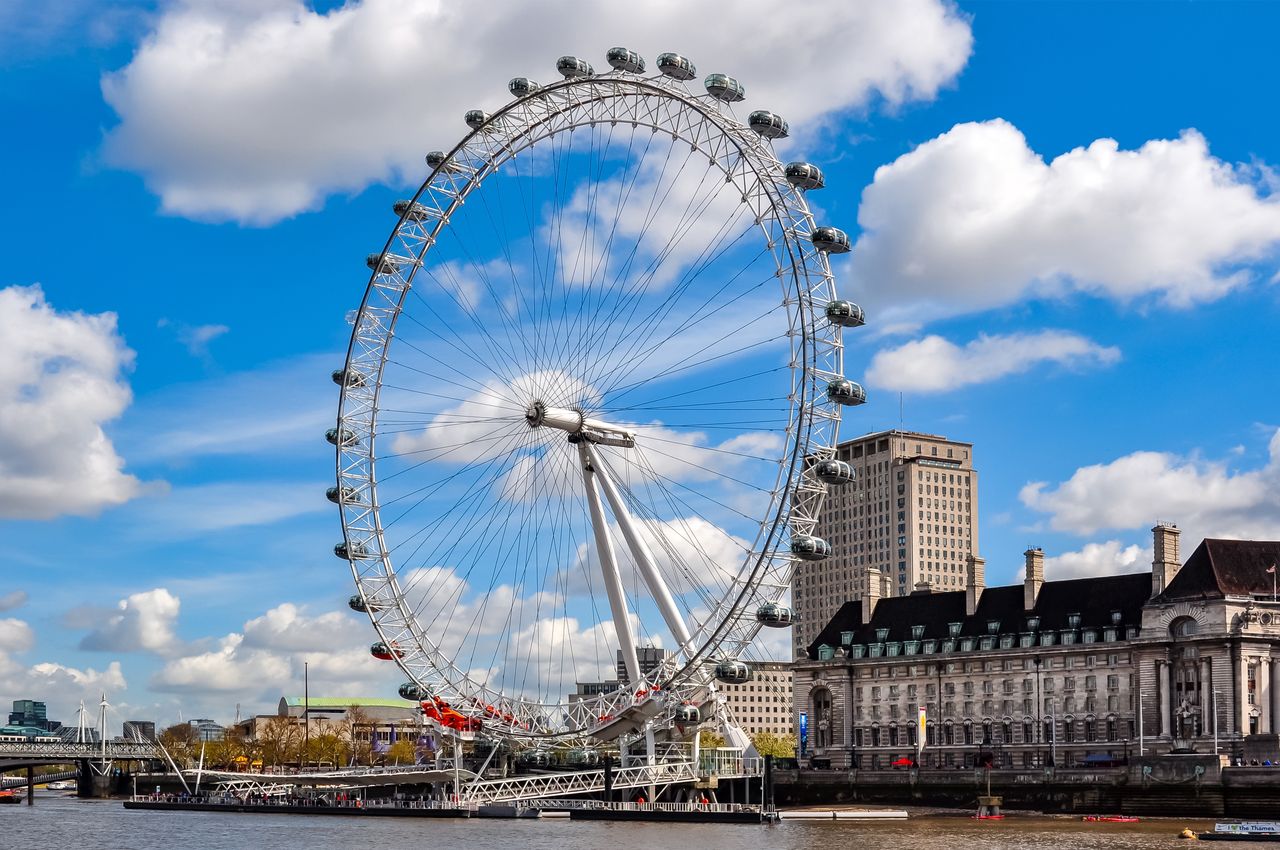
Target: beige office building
x=763 y=704
x=910 y=513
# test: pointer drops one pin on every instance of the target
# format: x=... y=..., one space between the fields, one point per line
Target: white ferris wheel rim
x=659 y=103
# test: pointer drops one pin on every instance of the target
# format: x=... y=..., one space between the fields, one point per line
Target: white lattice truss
x=782 y=215
x=71 y=751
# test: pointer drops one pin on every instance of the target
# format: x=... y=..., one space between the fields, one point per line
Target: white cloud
x=62 y=688
x=183 y=512
x=975 y=219
x=1206 y=498
x=143 y=621
x=15 y=636
x=195 y=338
x=266 y=659
x=13 y=599
x=60 y=382
x=934 y=364
x=1109 y=558
x=256 y=111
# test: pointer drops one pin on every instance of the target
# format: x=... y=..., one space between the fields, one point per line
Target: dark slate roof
x=1224 y=567
x=1092 y=598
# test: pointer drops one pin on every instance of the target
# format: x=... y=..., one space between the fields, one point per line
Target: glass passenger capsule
x=687 y=714
x=804 y=175
x=846 y=314
x=385 y=263
x=439 y=161
x=411 y=210
x=844 y=391
x=476 y=118
x=733 y=672
x=676 y=66
x=571 y=66
x=347 y=438
x=521 y=86
x=625 y=60
x=832 y=471
x=807 y=547
x=364 y=606
x=774 y=615
x=347 y=494
x=384 y=652
x=344 y=376
x=725 y=88
x=830 y=240
x=413 y=692
x=771 y=125
x=354 y=552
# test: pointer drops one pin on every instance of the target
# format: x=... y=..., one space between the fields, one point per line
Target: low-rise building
x=1065 y=672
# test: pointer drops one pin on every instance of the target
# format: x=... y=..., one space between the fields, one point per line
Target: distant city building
x=386 y=720
x=139 y=730
x=1066 y=672
x=29 y=712
x=207 y=730
x=763 y=703
x=908 y=517
x=593 y=689
x=649 y=657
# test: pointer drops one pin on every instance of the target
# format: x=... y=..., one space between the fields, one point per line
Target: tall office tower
x=910 y=514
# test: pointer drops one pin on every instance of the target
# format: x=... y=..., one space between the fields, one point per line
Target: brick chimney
x=976 y=569
x=872 y=595
x=1035 y=577
x=1165 y=562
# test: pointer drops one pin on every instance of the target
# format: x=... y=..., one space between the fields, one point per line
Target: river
x=61 y=821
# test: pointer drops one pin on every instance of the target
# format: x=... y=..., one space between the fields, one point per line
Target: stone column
x=1242 y=695
x=1163 y=696
x=1273 y=697
x=1206 y=699
x=1264 y=694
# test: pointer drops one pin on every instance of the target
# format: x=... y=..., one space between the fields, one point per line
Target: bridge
x=472 y=790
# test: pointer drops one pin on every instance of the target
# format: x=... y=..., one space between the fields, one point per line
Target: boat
x=1244 y=831
x=1110 y=818
x=9 y=796
x=62 y=785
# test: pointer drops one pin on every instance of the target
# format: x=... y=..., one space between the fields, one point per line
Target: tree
x=709 y=739
x=182 y=742
x=356 y=729
x=280 y=739
x=402 y=752
x=778 y=746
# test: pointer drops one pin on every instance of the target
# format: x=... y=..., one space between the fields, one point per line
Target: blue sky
x=1098 y=325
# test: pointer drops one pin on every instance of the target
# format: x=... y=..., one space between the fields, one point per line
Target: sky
x=1065 y=228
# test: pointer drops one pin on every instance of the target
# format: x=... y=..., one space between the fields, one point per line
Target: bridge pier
x=31 y=785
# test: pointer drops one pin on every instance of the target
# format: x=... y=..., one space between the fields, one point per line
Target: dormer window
x=846 y=638
x=917 y=632
x=993 y=627
x=953 y=629
x=1073 y=621
x=1115 y=618
x=882 y=634
x=1033 y=623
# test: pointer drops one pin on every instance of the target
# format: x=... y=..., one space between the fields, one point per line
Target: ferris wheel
x=590 y=404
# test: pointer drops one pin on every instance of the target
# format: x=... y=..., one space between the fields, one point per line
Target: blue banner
x=804 y=732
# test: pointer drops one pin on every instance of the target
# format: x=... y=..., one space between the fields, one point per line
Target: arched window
x=1184 y=627
x=1028 y=731
x=821 y=718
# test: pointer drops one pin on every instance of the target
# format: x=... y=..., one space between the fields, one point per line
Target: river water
x=59 y=821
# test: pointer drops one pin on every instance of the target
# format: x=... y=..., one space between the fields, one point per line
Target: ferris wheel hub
x=577 y=424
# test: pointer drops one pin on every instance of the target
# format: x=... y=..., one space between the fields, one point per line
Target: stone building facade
x=762 y=704
x=909 y=515
x=1083 y=671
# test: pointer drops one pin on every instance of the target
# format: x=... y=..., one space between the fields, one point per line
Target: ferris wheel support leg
x=643 y=557
x=609 y=566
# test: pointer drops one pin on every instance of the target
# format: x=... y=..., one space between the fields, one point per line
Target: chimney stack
x=1035 y=577
x=976 y=568
x=872 y=595
x=1165 y=562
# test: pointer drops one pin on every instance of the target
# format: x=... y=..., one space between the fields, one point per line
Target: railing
x=578 y=782
x=122 y=750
